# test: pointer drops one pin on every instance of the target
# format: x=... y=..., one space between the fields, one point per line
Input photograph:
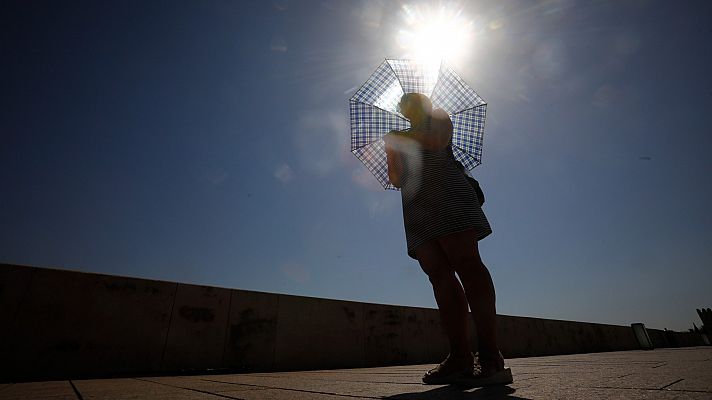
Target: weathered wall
x=60 y=324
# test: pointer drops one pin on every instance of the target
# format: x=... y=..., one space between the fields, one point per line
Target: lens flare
x=433 y=35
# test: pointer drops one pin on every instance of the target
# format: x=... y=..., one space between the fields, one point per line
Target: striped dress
x=437 y=199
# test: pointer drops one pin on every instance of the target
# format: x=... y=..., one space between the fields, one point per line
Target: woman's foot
x=490 y=363
x=452 y=370
x=490 y=371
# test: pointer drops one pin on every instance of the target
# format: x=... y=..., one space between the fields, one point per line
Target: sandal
x=490 y=371
x=451 y=370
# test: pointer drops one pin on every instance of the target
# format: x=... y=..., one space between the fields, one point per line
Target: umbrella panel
x=373 y=156
x=382 y=90
x=468 y=132
x=415 y=77
x=370 y=123
x=452 y=94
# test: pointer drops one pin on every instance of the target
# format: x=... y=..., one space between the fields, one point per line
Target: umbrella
x=374 y=111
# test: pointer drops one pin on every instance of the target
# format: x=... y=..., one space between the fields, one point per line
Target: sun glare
x=432 y=35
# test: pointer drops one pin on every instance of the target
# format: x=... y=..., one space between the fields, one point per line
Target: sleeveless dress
x=437 y=199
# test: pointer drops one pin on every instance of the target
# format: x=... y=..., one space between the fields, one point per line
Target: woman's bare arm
x=439 y=136
x=393 y=157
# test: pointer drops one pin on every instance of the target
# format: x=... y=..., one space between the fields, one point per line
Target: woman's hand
x=441 y=127
x=437 y=138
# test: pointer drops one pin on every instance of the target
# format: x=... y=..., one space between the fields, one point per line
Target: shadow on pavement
x=459 y=392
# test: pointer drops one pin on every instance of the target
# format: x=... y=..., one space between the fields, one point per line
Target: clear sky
x=208 y=142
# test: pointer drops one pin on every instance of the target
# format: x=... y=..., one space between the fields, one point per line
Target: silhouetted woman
x=443 y=222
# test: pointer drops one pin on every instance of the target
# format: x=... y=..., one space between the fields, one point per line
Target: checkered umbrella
x=374 y=111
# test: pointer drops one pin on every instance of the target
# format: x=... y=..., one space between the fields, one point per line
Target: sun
x=432 y=35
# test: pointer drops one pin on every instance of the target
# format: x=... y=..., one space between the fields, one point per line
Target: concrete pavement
x=673 y=373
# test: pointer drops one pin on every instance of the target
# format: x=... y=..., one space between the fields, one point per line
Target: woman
x=443 y=222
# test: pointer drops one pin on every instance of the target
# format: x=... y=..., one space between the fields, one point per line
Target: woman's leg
x=449 y=295
x=462 y=252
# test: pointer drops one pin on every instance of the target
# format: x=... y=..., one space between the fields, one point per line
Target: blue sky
x=207 y=142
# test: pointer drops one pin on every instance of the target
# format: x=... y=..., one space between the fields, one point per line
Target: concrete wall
x=63 y=324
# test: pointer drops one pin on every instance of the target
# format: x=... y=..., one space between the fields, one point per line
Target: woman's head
x=415 y=106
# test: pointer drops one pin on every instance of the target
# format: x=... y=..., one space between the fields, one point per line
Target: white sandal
x=449 y=371
x=488 y=378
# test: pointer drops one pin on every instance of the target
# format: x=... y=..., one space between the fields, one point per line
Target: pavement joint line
x=649 y=389
x=601 y=364
x=345 y=373
x=660 y=365
x=672 y=383
x=526 y=378
x=339 y=372
x=350 y=381
x=338 y=380
x=76 y=391
x=549 y=373
x=191 y=389
x=623 y=376
x=293 y=390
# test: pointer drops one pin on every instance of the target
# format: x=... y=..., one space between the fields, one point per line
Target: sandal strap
x=491 y=359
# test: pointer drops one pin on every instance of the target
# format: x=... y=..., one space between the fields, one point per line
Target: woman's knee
x=439 y=271
x=441 y=277
x=463 y=253
x=431 y=257
x=469 y=266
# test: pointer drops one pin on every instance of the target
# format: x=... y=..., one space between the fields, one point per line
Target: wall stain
x=350 y=314
x=152 y=290
x=250 y=339
x=62 y=347
x=197 y=314
x=120 y=286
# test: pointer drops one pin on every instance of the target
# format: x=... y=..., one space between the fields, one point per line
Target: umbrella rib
x=468 y=109
x=374 y=106
x=364 y=84
x=438 y=81
x=468 y=154
x=396 y=75
x=462 y=83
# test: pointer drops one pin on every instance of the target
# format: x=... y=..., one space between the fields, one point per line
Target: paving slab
x=50 y=390
x=195 y=383
x=280 y=394
x=124 y=389
x=678 y=373
x=545 y=392
x=333 y=387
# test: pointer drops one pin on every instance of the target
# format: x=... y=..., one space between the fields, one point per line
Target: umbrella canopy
x=374 y=111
